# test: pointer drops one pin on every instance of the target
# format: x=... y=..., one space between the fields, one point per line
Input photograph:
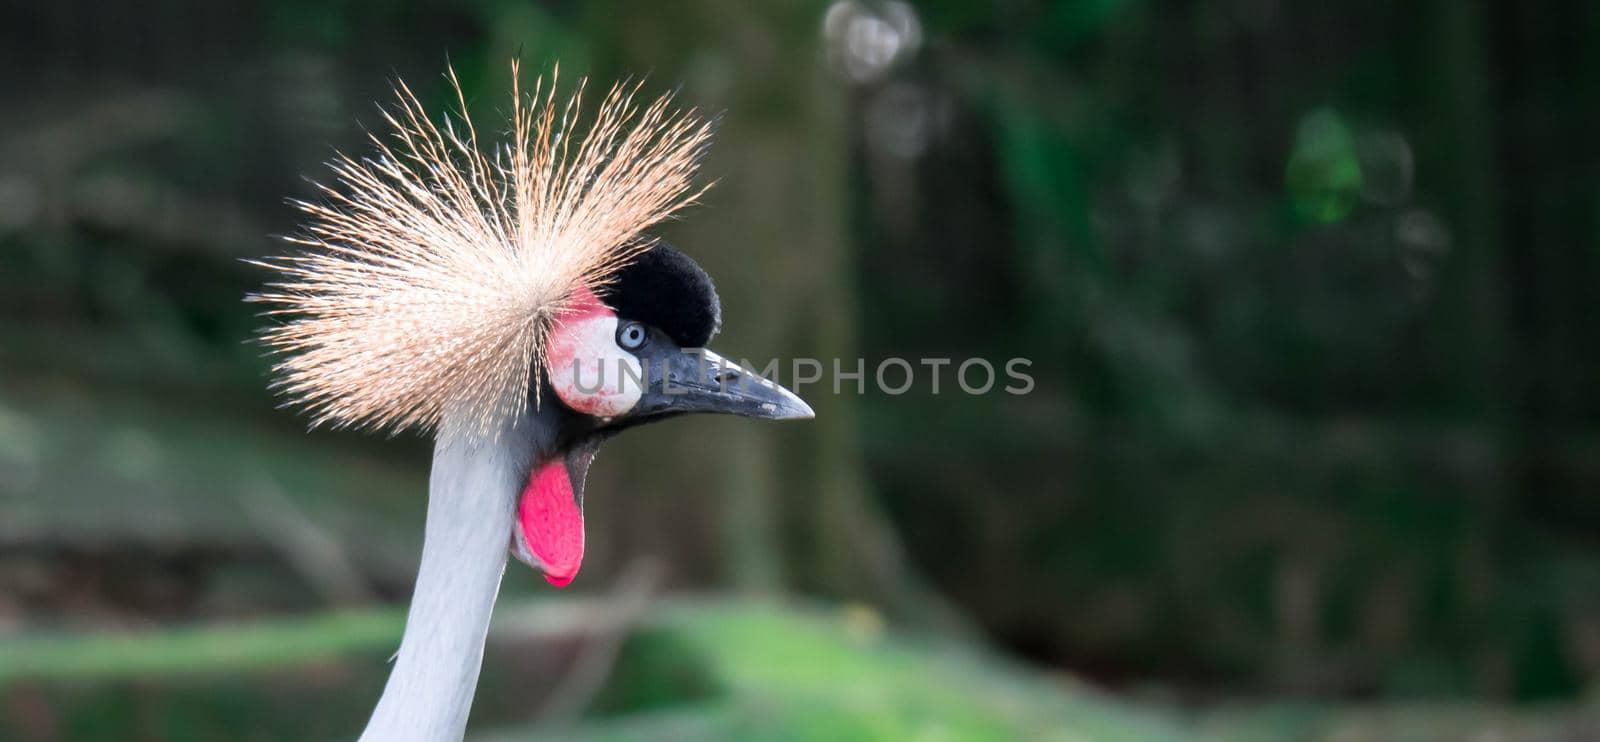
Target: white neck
x=471 y=510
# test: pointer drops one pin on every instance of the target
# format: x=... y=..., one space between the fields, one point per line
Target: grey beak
x=698 y=380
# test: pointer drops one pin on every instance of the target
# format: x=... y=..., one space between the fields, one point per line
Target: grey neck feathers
x=472 y=497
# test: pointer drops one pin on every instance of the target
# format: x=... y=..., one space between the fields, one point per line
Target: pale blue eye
x=630 y=335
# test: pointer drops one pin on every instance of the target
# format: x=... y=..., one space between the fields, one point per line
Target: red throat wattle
x=552 y=522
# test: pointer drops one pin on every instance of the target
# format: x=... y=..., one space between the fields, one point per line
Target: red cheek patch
x=586 y=368
x=552 y=522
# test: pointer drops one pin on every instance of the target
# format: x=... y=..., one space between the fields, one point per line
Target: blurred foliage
x=1307 y=291
x=704 y=670
x=693 y=670
x=1315 y=410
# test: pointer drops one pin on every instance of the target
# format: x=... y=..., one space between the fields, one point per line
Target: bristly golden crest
x=431 y=274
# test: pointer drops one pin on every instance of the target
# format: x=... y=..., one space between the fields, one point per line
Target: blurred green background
x=1308 y=289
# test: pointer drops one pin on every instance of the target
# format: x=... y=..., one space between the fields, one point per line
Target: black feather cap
x=666 y=289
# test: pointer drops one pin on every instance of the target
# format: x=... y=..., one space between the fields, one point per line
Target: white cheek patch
x=588 y=371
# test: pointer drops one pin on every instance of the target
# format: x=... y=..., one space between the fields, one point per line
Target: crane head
x=630 y=353
x=504 y=297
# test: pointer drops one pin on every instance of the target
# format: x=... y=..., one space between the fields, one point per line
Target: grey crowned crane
x=509 y=303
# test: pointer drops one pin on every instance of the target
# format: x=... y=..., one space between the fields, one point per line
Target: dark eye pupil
x=632 y=335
